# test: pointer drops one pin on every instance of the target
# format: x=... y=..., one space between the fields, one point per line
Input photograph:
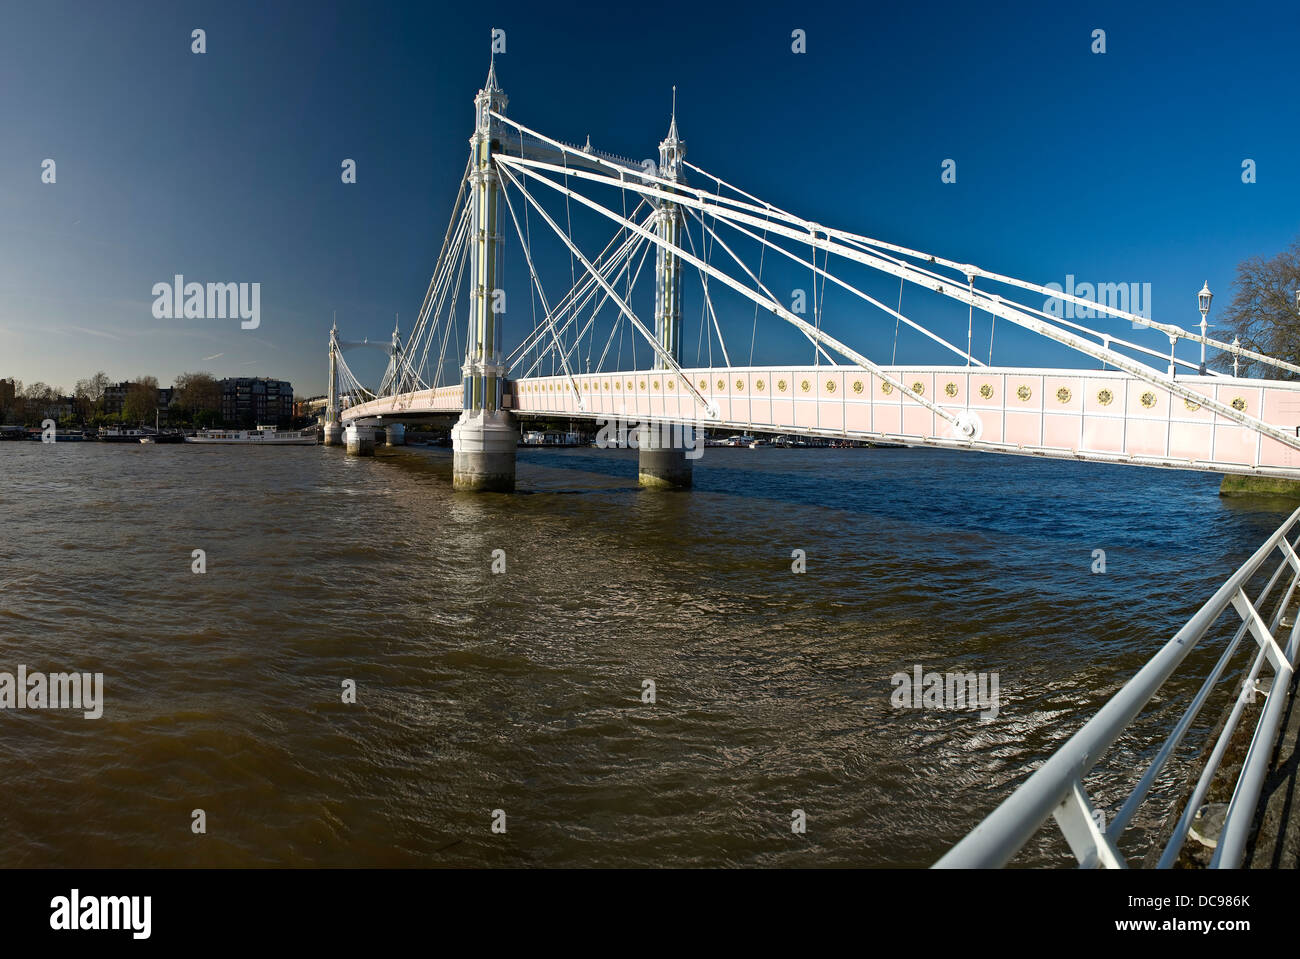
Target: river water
x=522 y=691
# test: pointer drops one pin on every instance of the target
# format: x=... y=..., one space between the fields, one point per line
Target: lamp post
x=1204 y=298
x=1236 y=344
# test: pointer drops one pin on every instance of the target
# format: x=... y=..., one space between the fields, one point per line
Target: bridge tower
x=483 y=440
x=663 y=463
x=395 y=433
x=333 y=425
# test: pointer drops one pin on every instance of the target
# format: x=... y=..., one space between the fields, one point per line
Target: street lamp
x=1204 y=298
x=1236 y=345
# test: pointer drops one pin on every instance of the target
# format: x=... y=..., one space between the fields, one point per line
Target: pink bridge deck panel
x=444 y=399
x=1062 y=413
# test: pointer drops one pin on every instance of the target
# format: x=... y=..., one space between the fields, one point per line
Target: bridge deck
x=1073 y=414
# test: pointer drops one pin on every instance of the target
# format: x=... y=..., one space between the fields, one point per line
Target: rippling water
x=522 y=691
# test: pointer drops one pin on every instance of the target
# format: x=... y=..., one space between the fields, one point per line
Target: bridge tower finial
x=489 y=99
x=672 y=148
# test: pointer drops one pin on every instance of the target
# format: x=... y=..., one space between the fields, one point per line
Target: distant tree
x=89 y=393
x=36 y=398
x=141 y=402
x=197 y=393
x=83 y=399
x=1263 y=312
x=96 y=386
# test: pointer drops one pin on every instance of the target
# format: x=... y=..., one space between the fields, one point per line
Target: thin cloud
x=214 y=356
x=103 y=333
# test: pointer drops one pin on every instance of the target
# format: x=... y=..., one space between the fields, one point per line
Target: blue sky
x=1120 y=167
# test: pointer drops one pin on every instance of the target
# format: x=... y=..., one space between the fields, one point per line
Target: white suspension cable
x=1008 y=310
x=769 y=210
x=506 y=166
x=777 y=308
x=537 y=282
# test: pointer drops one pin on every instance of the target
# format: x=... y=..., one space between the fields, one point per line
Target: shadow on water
x=1267 y=507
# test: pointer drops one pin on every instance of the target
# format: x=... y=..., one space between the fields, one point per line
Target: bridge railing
x=1056 y=789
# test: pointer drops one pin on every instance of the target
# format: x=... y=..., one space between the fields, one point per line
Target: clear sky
x=1119 y=167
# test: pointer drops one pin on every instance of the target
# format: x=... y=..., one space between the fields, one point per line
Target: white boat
x=262 y=436
x=115 y=434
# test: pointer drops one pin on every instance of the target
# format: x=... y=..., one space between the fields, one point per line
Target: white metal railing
x=1056 y=788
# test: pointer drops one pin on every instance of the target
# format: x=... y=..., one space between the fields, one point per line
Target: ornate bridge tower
x=333 y=429
x=662 y=460
x=484 y=438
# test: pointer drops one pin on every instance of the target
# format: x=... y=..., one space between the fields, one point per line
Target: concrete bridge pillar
x=395 y=434
x=360 y=440
x=660 y=464
x=483 y=451
x=333 y=434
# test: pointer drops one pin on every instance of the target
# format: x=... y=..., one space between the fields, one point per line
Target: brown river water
x=521 y=691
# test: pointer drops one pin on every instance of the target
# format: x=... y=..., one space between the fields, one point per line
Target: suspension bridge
x=1133 y=404
x=1141 y=407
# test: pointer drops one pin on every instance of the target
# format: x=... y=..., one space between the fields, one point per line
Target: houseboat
x=116 y=434
x=262 y=436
